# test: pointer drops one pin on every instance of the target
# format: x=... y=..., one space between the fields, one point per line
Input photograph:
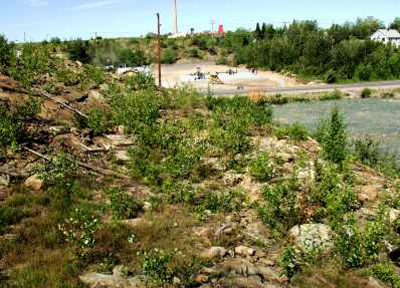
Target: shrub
x=123 y=206
x=261 y=168
x=295 y=132
x=290 y=261
x=385 y=272
x=358 y=245
x=140 y=81
x=79 y=231
x=131 y=58
x=33 y=62
x=10 y=129
x=156 y=265
x=367 y=151
x=79 y=50
x=98 y=121
x=58 y=171
x=366 y=93
x=10 y=216
x=6 y=54
x=331 y=133
x=281 y=211
x=67 y=77
x=94 y=74
x=169 y=56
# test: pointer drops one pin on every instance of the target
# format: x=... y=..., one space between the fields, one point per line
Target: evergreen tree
x=263 y=31
x=257 y=33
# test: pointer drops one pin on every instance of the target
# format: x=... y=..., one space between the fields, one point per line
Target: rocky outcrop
x=312 y=237
x=97 y=280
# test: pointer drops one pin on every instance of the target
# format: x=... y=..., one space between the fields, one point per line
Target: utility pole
x=159 y=49
x=212 y=26
x=24 y=37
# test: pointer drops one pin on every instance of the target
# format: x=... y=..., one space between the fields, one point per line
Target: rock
x=79 y=64
x=95 y=95
x=309 y=237
x=4 y=180
x=34 y=183
x=214 y=252
x=122 y=156
x=368 y=193
x=96 y=280
x=58 y=130
x=226 y=229
x=245 y=251
x=104 y=87
x=176 y=281
x=201 y=278
x=243 y=267
x=136 y=222
x=394 y=215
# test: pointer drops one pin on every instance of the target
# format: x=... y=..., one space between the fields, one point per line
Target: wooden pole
x=159 y=49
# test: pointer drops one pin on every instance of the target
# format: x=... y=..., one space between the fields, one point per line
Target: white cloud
x=38 y=3
x=93 y=5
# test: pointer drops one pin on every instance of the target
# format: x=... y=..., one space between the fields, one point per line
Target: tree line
x=339 y=53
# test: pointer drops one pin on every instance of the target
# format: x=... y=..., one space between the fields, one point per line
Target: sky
x=71 y=19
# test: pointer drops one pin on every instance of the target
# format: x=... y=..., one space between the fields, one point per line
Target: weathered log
x=98 y=170
x=40 y=93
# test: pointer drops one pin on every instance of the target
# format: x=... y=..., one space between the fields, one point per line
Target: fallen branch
x=98 y=170
x=13 y=174
x=41 y=93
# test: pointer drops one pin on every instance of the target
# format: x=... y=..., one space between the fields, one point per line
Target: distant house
x=387 y=36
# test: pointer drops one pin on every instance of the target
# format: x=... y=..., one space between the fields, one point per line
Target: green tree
x=6 y=53
x=395 y=24
x=258 y=34
x=79 y=50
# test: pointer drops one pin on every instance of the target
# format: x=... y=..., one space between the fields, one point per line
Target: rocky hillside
x=107 y=182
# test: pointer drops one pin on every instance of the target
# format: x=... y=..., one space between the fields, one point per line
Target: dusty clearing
x=182 y=74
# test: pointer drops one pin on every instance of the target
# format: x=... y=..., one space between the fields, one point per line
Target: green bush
x=386 y=272
x=10 y=129
x=94 y=74
x=79 y=231
x=10 y=216
x=169 y=56
x=58 y=171
x=296 y=131
x=157 y=266
x=281 y=210
x=6 y=54
x=98 y=121
x=124 y=206
x=79 y=50
x=140 y=81
x=367 y=150
x=131 y=58
x=366 y=93
x=261 y=168
x=33 y=62
x=331 y=134
x=356 y=246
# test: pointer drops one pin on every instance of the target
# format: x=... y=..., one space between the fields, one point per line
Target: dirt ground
x=176 y=75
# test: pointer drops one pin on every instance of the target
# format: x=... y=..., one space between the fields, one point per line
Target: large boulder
x=312 y=237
